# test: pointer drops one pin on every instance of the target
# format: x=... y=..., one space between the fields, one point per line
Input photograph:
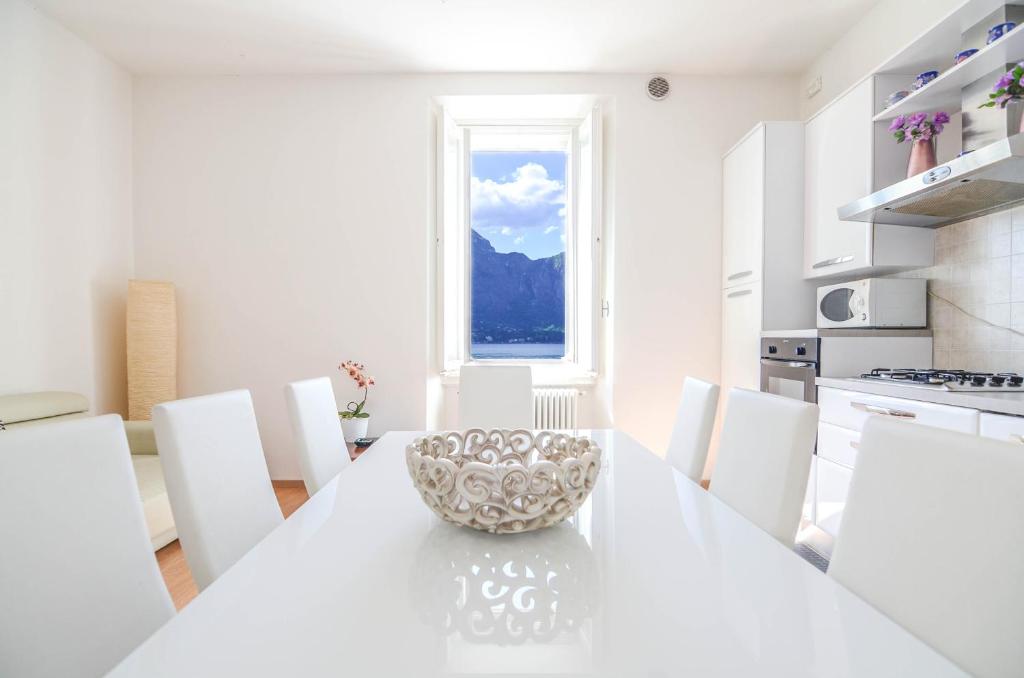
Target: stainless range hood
x=988 y=180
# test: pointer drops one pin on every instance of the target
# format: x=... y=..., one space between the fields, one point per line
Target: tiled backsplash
x=976 y=290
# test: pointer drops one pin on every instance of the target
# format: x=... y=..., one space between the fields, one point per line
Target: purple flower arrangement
x=1010 y=87
x=918 y=127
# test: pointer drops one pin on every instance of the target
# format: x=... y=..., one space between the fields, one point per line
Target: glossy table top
x=653 y=577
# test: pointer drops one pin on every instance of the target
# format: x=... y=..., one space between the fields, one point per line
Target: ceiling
x=331 y=36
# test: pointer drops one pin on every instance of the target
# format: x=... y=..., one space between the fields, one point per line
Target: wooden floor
x=290 y=495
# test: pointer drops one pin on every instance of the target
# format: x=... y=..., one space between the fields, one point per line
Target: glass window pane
x=517 y=288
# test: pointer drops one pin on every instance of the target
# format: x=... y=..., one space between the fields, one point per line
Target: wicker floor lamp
x=152 y=346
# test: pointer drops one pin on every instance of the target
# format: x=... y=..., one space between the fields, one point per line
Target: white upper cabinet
x=743 y=210
x=837 y=160
x=839 y=167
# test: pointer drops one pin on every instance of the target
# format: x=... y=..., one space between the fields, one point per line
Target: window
x=518 y=240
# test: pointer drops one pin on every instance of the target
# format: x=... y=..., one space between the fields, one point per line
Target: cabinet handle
x=737 y=276
x=854 y=444
x=878 y=409
x=833 y=261
x=739 y=293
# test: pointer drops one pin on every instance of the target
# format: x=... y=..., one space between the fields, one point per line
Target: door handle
x=737 y=276
x=739 y=293
x=833 y=261
x=878 y=409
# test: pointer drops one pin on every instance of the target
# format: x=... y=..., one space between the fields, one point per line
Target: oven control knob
x=773 y=349
x=801 y=350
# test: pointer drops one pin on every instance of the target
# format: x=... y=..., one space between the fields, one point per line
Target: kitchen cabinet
x=841 y=418
x=846 y=158
x=741 y=336
x=762 y=281
x=743 y=210
x=1003 y=427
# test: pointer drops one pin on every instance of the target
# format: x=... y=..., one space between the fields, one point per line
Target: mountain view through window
x=517 y=206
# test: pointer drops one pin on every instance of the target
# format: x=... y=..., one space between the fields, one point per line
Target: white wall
x=65 y=211
x=889 y=27
x=294 y=214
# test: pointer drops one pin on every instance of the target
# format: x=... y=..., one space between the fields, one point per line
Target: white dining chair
x=764 y=459
x=217 y=479
x=496 y=396
x=318 y=436
x=931 y=536
x=695 y=420
x=79 y=585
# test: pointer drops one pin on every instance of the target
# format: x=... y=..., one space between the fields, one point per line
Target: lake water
x=517 y=351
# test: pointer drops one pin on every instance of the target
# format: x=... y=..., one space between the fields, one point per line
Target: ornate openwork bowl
x=503 y=481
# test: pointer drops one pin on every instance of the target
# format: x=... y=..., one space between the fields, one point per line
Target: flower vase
x=922 y=157
x=354 y=427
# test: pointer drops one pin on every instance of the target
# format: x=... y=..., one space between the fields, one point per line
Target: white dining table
x=653 y=577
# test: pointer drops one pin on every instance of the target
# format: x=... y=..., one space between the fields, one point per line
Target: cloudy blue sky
x=518 y=201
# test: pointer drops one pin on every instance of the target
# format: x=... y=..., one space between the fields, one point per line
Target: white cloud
x=505 y=230
x=529 y=199
x=550 y=229
x=562 y=237
x=519 y=240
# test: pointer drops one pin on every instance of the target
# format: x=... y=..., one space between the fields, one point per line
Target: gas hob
x=949 y=380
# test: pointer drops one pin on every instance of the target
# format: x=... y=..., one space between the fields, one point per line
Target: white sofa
x=32 y=409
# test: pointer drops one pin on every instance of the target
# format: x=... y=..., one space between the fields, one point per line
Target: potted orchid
x=1009 y=87
x=921 y=132
x=355 y=419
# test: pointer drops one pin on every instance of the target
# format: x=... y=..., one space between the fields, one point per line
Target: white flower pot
x=354 y=428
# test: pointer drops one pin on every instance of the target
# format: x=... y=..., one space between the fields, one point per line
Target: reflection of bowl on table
x=505 y=590
x=503 y=481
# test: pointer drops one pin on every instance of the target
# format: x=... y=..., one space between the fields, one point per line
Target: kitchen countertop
x=1002 y=403
x=847 y=332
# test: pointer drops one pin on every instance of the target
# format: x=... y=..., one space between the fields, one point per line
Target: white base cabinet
x=842 y=415
x=1003 y=427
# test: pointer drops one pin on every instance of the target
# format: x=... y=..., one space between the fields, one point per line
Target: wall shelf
x=943 y=93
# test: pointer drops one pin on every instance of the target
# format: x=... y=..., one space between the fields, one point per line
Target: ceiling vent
x=657 y=87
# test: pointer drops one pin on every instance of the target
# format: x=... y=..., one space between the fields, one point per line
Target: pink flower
x=916 y=119
x=898 y=122
x=941 y=117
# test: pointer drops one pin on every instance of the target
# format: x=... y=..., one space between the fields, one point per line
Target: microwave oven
x=874 y=303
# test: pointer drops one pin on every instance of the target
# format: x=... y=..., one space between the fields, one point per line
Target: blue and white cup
x=896 y=97
x=924 y=79
x=964 y=55
x=998 y=31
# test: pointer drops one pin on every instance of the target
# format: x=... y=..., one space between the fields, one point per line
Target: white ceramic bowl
x=503 y=481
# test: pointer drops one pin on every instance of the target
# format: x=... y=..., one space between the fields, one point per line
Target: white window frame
x=583 y=230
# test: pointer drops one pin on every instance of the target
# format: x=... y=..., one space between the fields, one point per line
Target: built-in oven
x=789 y=366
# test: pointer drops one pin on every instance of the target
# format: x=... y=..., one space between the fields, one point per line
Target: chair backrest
x=318 y=437
x=764 y=458
x=495 y=396
x=695 y=420
x=932 y=536
x=79 y=585
x=217 y=479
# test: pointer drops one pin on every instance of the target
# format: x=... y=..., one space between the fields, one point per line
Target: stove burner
x=950 y=379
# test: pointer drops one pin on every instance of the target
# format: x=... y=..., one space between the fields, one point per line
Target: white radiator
x=555 y=408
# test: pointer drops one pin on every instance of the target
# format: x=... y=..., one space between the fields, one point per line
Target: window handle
x=739 y=293
x=833 y=261
x=878 y=409
x=606 y=308
x=737 y=276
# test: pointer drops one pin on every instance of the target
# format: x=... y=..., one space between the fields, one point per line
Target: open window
x=518 y=240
